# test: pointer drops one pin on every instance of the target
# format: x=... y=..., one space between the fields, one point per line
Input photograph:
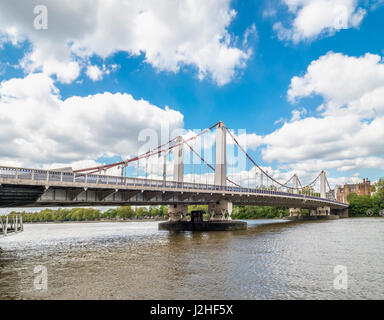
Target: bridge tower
x=178 y=165
x=295 y=184
x=221 y=156
x=323 y=211
x=221 y=210
x=322 y=185
x=177 y=212
x=294 y=212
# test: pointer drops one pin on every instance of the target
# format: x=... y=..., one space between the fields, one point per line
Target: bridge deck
x=36 y=187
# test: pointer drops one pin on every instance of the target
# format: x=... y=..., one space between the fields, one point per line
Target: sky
x=301 y=80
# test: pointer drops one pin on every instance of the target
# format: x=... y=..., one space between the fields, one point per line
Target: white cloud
x=348 y=134
x=94 y=73
x=330 y=138
x=170 y=34
x=249 y=32
x=343 y=80
x=316 y=17
x=298 y=113
x=39 y=128
x=249 y=140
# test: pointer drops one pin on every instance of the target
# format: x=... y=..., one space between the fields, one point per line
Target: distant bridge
x=22 y=187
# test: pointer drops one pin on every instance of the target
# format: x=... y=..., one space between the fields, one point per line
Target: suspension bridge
x=145 y=179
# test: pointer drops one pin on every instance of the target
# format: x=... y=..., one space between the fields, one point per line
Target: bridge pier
x=323 y=211
x=177 y=212
x=342 y=213
x=220 y=210
x=294 y=212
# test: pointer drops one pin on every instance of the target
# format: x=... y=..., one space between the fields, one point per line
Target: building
x=363 y=188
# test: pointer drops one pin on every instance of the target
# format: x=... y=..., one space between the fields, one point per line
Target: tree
x=141 y=212
x=125 y=212
x=359 y=204
x=379 y=188
x=351 y=195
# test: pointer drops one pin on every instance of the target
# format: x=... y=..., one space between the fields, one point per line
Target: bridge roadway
x=20 y=187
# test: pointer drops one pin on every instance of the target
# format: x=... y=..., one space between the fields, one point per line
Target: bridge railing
x=63 y=176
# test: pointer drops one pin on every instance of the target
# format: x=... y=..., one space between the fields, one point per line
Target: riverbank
x=92 y=214
x=95 y=221
x=131 y=220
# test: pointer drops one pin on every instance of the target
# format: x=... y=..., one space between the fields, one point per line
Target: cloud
x=355 y=82
x=39 y=128
x=169 y=34
x=249 y=32
x=348 y=133
x=312 y=18
x=94 y=73
x=298 y=113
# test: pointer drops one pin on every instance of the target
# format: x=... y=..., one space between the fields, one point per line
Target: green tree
x=125 y=212
x=358 y=205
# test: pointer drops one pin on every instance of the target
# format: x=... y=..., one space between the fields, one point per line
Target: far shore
x=95 y=221
x=129 y=220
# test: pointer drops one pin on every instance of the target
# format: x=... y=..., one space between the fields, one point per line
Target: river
x=133 y=260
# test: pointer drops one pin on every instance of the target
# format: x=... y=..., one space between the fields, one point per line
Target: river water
x=133 y=260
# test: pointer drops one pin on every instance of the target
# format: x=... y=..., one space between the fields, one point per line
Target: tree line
x=91 y=214
x=129 y=213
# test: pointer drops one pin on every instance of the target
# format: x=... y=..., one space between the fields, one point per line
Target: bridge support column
x=219 y=211
x=295 y=184
x=294 y=212
x=323 y=211
x=342 y=213
x=178 y=166
x=221 y=156
x=177 y=212
x=322 y=185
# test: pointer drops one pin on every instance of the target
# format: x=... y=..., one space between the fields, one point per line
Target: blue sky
x=263 y=45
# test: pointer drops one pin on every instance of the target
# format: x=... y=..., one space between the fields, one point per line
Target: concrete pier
x=197 y=223
x=203 y=225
